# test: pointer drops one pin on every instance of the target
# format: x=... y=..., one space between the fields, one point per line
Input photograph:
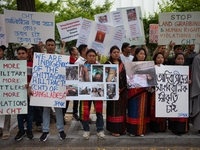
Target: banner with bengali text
x=27 y=26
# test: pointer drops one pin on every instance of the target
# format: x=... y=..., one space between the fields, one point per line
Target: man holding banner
x=50 y=48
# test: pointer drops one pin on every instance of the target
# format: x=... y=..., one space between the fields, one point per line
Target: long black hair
x=111 y=50
x=137 y=51
x=156 y=55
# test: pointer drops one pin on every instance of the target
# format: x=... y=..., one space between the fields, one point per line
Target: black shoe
x=177 y=133
x=44 y=136
x=19 y=135
x=198 y=132
x=29 y=134
x=62 y=135
x=76 y=117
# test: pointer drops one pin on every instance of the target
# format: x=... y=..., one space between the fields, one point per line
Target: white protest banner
x=100 y=37
x=13 y=94
x=140 y=74
x=2 y=118
x=92 y=82
x=139 y=40
x=172 y=91
x=69 y=30
x=27 y=26
x=2 y=31
x=48 y=80
x=127 y=19
x=183 y=28
x=153 y=33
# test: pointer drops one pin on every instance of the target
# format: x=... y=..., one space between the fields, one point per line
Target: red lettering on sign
x=10 y=66
x=13 y=80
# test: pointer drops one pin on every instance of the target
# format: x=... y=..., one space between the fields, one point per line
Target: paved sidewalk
x=74 y=139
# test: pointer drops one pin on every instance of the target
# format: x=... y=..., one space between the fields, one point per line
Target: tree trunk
x=26 y=5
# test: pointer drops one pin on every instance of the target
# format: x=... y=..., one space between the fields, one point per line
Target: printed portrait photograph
x=71 y=72
x=97 y=73
x=131 y=15
x=85 y=73
x=111 y=74
x=84 y=90
x=103 y=19
x=72 y=90
x=97 y=90
x=111 y=91
x=140 y=74
x=100 y=36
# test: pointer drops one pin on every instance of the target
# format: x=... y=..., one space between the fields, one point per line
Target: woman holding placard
x=138 y=118
x=179 y=125
x=116 y=110
x=156 y=124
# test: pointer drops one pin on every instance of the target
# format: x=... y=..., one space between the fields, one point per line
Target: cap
x=27 y=45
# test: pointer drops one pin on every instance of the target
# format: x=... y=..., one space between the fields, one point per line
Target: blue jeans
x=46 y=119
x=99 y=123
x=28 y=117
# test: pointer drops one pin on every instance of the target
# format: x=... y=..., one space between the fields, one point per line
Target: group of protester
x=140 y=102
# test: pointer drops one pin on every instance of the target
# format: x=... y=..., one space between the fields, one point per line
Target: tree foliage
x=179 y=6
x=168 y=6
x=64 y=10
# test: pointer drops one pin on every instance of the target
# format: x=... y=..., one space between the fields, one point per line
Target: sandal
x=115 y=134
x=6 y=136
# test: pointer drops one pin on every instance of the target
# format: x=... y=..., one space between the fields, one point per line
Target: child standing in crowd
x=85 y=106
x=156 y=124
x=179 y=125
x=116 y=110
x=22 y=55
x=138 y=118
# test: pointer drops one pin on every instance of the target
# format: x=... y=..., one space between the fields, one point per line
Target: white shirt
x=126 y=59
x=80 y=60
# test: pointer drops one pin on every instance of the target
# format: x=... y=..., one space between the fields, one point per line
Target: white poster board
x=2 y=118
x=13 y=94
x=100 y=37
x=127 y=19
x=48 y=80
x=172 y=91
x=140 y=74
x=2 y=31
x=119 y=19
x=139 y=40
x=92 y=82
x=69 y=30
x=181 y=28
x=27 y=26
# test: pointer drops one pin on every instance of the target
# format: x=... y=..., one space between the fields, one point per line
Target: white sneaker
x=141 y=135
x=101 y=135
x=132 y=135
x=86 y=135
